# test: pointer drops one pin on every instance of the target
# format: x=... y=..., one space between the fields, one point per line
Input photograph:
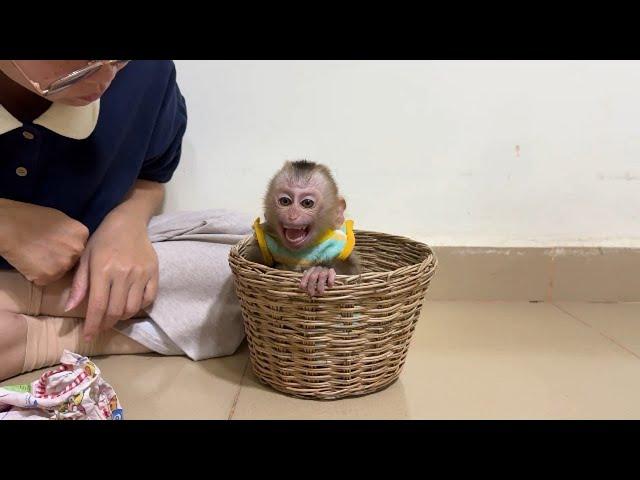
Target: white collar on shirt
x=72 y=122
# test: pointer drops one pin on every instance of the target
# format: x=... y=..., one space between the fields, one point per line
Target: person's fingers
x=79 y=285
x=150 y=292
x=134 y=299
x=117 y=301
x=99 y=290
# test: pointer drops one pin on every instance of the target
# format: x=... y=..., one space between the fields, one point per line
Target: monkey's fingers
x=305 y=279
x=332 y=277
x=307 y=282
x=313 y=282
x=323 y=276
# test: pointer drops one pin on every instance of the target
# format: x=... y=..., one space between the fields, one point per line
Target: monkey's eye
x=307 y=203
x=284 y=201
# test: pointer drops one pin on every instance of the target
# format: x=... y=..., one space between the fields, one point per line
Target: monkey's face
x=301 y=212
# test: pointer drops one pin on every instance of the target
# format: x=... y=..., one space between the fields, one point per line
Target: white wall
x=427 y=149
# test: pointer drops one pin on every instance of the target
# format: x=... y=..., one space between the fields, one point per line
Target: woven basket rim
x=429 y=259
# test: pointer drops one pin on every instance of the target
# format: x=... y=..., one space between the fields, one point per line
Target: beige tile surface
x=258 y=401
x=468 y=360
x=619 y=322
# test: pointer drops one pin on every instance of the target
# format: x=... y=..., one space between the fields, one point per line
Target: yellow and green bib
x=334 y=244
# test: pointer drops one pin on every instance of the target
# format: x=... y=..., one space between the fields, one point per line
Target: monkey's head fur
x=302 y=203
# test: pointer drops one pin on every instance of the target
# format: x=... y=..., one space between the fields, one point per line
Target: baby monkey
x=305 y=229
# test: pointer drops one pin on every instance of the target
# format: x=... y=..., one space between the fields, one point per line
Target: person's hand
x=39 y=242
x=118 y=271
x=317 y=279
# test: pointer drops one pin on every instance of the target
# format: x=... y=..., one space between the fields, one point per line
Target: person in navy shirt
x=85 y=149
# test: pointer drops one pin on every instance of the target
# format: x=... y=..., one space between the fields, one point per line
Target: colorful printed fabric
x=73 y=391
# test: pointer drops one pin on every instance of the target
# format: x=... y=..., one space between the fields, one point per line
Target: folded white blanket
x=196 y=312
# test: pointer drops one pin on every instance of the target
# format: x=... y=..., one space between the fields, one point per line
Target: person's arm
x=141 y=203
x=118 y=270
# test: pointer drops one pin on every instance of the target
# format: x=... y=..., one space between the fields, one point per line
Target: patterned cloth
x=73 y=391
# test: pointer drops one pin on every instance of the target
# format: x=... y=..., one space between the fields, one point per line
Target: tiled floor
x=468 y=360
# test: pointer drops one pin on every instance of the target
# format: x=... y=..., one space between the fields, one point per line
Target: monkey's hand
x=316 y=279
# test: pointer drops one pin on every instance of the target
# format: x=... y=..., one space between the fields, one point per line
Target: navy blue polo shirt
x=141 y=120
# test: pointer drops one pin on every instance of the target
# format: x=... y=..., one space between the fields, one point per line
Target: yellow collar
x=72 y=122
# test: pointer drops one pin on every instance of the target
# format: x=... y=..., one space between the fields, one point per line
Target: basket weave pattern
x=351 y=341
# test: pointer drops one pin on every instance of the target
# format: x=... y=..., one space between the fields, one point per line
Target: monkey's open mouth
x=295 y=236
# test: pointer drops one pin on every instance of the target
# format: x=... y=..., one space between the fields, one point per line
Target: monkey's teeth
x=294 y=234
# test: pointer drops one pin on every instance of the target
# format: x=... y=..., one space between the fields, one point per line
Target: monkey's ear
x=342 y=206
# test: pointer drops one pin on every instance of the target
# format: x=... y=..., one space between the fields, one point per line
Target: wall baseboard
x=537 y=274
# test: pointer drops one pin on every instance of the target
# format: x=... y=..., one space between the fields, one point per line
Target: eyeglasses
x=69 y=79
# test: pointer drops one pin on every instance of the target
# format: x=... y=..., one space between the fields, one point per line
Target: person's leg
x=18 y=295
x=13 y=336
x=47 y=337
x=28 y=343
x=33 y=332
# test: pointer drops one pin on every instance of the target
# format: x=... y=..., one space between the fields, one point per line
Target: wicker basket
x=351 y=341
